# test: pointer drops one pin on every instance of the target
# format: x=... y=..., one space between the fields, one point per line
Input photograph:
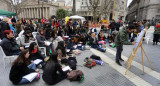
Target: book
x=66 y=68
x=37 y=61
x=30 y=76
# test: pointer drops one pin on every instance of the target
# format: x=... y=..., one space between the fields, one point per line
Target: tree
x=93 y=7
x=61 y=13
x=74 y=7
x=17 y=5
x=98 y=10
x=107 y=8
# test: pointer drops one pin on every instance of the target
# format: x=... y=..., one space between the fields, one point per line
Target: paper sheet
x=30 y=76
x=47 y=43
x=66 y=68
x=37 y=61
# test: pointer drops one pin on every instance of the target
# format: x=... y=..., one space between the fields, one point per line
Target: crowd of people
x=58 y=36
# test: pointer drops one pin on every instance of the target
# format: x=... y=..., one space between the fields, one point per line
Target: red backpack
x=90 y=63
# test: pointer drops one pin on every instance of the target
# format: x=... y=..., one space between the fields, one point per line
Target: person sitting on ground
x=70 y=44
x=82 y=39
x=9 y=45
x=61 y=50
x=110 y=38
x=50 y=75
x=20 y=68
x=94 y=43
x=27 y=39
x=35 y=53
x=101 y=36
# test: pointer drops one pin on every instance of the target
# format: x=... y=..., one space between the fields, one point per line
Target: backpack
x=90 y=63
x=95 y=57
x=72 y=63
x=75 y=75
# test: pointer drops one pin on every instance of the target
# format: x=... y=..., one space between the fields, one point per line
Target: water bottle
x=98 y=62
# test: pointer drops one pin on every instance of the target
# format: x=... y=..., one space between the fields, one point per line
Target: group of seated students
x=24 y=64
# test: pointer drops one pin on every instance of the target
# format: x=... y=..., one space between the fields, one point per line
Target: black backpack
x=95 y=57
x=72 y=63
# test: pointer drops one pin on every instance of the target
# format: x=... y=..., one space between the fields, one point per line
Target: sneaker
x=119 y=63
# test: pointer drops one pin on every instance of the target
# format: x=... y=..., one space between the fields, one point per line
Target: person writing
x=122 y=39
x=21 y=67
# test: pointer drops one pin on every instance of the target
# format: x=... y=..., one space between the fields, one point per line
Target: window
x=82 y=3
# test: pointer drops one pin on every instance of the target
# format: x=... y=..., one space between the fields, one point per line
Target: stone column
x=46 y=12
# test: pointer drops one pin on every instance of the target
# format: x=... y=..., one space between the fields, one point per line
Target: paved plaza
x=110 y=74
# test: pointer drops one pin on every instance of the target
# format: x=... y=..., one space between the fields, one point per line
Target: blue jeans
x=98 y=48
x=32 y=66
x=24 y=81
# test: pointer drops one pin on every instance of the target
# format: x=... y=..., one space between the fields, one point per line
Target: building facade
x=5 y=5
x=120 y=10
x=144 y=9
x=41 y=10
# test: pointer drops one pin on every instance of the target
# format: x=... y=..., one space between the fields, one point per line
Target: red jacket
x=56 y=24
x=158 y=25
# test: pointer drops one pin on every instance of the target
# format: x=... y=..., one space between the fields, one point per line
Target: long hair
x=21 y=58
x=31 y=47
x=53 y=57
x=61 y=47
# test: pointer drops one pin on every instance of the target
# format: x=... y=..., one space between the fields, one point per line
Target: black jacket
x=37 y=55
x=50 y=75
x=91 y=40
x=40 y=39
x=18 y=71
x=9 y=46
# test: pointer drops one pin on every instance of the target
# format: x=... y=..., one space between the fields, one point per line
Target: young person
x=21 y=67
x=122 y=39
x=50 y=75
x=94 y=43
x=35 y=53
x=61 y=50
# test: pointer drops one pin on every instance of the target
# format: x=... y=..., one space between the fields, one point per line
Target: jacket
x=157 y=29
x=50 y=75
x=122 y=38
x=9 y=46
x=18 y=71
x=40 y=39
x=91 y=41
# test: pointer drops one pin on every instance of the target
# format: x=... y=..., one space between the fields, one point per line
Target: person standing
x=122 y=39
x=156 y=34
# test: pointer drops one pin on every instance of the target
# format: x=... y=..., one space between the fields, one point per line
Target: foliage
x=61 y=13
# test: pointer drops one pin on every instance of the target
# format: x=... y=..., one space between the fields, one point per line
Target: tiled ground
x=97 y=76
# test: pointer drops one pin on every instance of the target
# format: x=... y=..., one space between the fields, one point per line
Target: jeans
x=24 y=81
x=119 y=52
x=98 y=47
x=32 y=66
x=16 y=53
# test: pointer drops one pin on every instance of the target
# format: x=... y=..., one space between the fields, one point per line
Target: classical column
x=40 y=12
x=43 y=11
x=46 y=12
x=37 y=13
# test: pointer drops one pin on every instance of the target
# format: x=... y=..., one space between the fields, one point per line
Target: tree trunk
x=74 y=7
